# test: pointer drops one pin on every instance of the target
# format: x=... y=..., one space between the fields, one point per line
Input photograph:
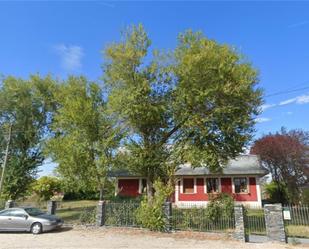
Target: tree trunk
x=150 y=190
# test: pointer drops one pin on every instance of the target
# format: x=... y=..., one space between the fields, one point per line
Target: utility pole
x=6 y=157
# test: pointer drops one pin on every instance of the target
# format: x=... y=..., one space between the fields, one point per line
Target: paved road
x=113 y=238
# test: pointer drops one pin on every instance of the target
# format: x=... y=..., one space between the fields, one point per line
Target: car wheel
x=36 y=228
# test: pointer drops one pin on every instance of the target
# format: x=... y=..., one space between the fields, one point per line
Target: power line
x=290 y=90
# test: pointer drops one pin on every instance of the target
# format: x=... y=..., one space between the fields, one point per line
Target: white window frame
x=194 y=187
x=205 y=184
x=233 y=185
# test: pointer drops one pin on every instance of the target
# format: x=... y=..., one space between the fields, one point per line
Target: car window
x=5 y=213
x=17 y=213
x=34 y=211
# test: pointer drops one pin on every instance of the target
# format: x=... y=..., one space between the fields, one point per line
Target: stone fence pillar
x=274 y=222
x=51 y=207
x=100 y=218
x=239 y=233
x=167 y=209
x=9 y=204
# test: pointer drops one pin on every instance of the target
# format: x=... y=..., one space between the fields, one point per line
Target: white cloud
x=300 y=100
x=289 y=113
x=262 y=120
x=267 y=106
x=294 y=25
x=70 y=55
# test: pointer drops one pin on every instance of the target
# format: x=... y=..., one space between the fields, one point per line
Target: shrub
x=150 y=214
x=220 y=205
x=46 y=186
x=88 y=216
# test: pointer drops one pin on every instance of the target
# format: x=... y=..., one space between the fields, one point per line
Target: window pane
x=188 y=186
x=241 y=185
x=212 y=185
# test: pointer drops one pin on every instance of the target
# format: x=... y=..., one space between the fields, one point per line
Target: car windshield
x=34 y=211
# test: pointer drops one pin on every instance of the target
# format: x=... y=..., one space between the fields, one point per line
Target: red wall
x=128 y=187
x=226 y=187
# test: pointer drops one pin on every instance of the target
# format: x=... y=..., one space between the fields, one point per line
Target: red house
x=240 y=178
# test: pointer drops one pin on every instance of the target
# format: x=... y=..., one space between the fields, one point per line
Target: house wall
x=128 y=187
x=226 y=185
x=132 y=188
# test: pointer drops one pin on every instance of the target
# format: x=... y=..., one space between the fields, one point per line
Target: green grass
x=72 y=212
x=297 y=231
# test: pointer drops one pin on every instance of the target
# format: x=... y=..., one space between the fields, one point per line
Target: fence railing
x=196 y=219
x=81 y=212
x=298 y=224
x=121 y=214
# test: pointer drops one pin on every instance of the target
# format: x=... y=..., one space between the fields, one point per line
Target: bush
x=220 y=205
x=277 y=192
x=150 y=214
x=88 y=216
x=46 y=187
x=305 y=197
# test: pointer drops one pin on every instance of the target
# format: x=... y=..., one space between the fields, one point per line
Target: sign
x=286 y=214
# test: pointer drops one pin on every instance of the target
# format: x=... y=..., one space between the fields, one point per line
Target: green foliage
x=150 y=214
x=85 y=139
x=220 y=205
x=28 y=105
x=121 y=213
x=46 y=186
x=277 y=192
x=305 y=196
x=88 y=216
x=196 y=103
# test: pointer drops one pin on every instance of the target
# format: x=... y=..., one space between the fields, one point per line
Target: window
x=5 y=213
x=188 y=185
x=241 y=185
x=212 y=185
x=17 y=213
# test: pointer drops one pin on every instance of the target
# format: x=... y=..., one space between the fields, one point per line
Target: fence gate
x=254 y=221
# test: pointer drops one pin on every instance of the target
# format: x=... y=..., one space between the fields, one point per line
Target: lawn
x=297 y=231
x=77 y=212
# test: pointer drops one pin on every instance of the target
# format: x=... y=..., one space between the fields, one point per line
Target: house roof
x=242 y=165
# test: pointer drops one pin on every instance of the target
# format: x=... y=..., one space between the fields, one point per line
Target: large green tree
x=28 y=106
x=85 y=137
x=194 y=104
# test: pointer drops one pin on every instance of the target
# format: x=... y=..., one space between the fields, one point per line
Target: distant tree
x=196 y=104
x=28 y=105
x=277 y=192
x=46 y=186
x=85 y=138
x=286 y=155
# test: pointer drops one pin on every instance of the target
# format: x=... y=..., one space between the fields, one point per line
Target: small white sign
x=286 y=214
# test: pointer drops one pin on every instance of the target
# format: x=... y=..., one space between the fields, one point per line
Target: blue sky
x=67 y=37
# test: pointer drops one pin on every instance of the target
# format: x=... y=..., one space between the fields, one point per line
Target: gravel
x=111 y=238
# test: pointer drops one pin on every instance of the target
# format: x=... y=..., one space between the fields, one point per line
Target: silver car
x=28 y=219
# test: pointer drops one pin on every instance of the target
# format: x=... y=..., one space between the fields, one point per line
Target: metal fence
x=77 y=212
x=196 y=219
x=121 y=214
x=297 y=225
x=254 y=220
